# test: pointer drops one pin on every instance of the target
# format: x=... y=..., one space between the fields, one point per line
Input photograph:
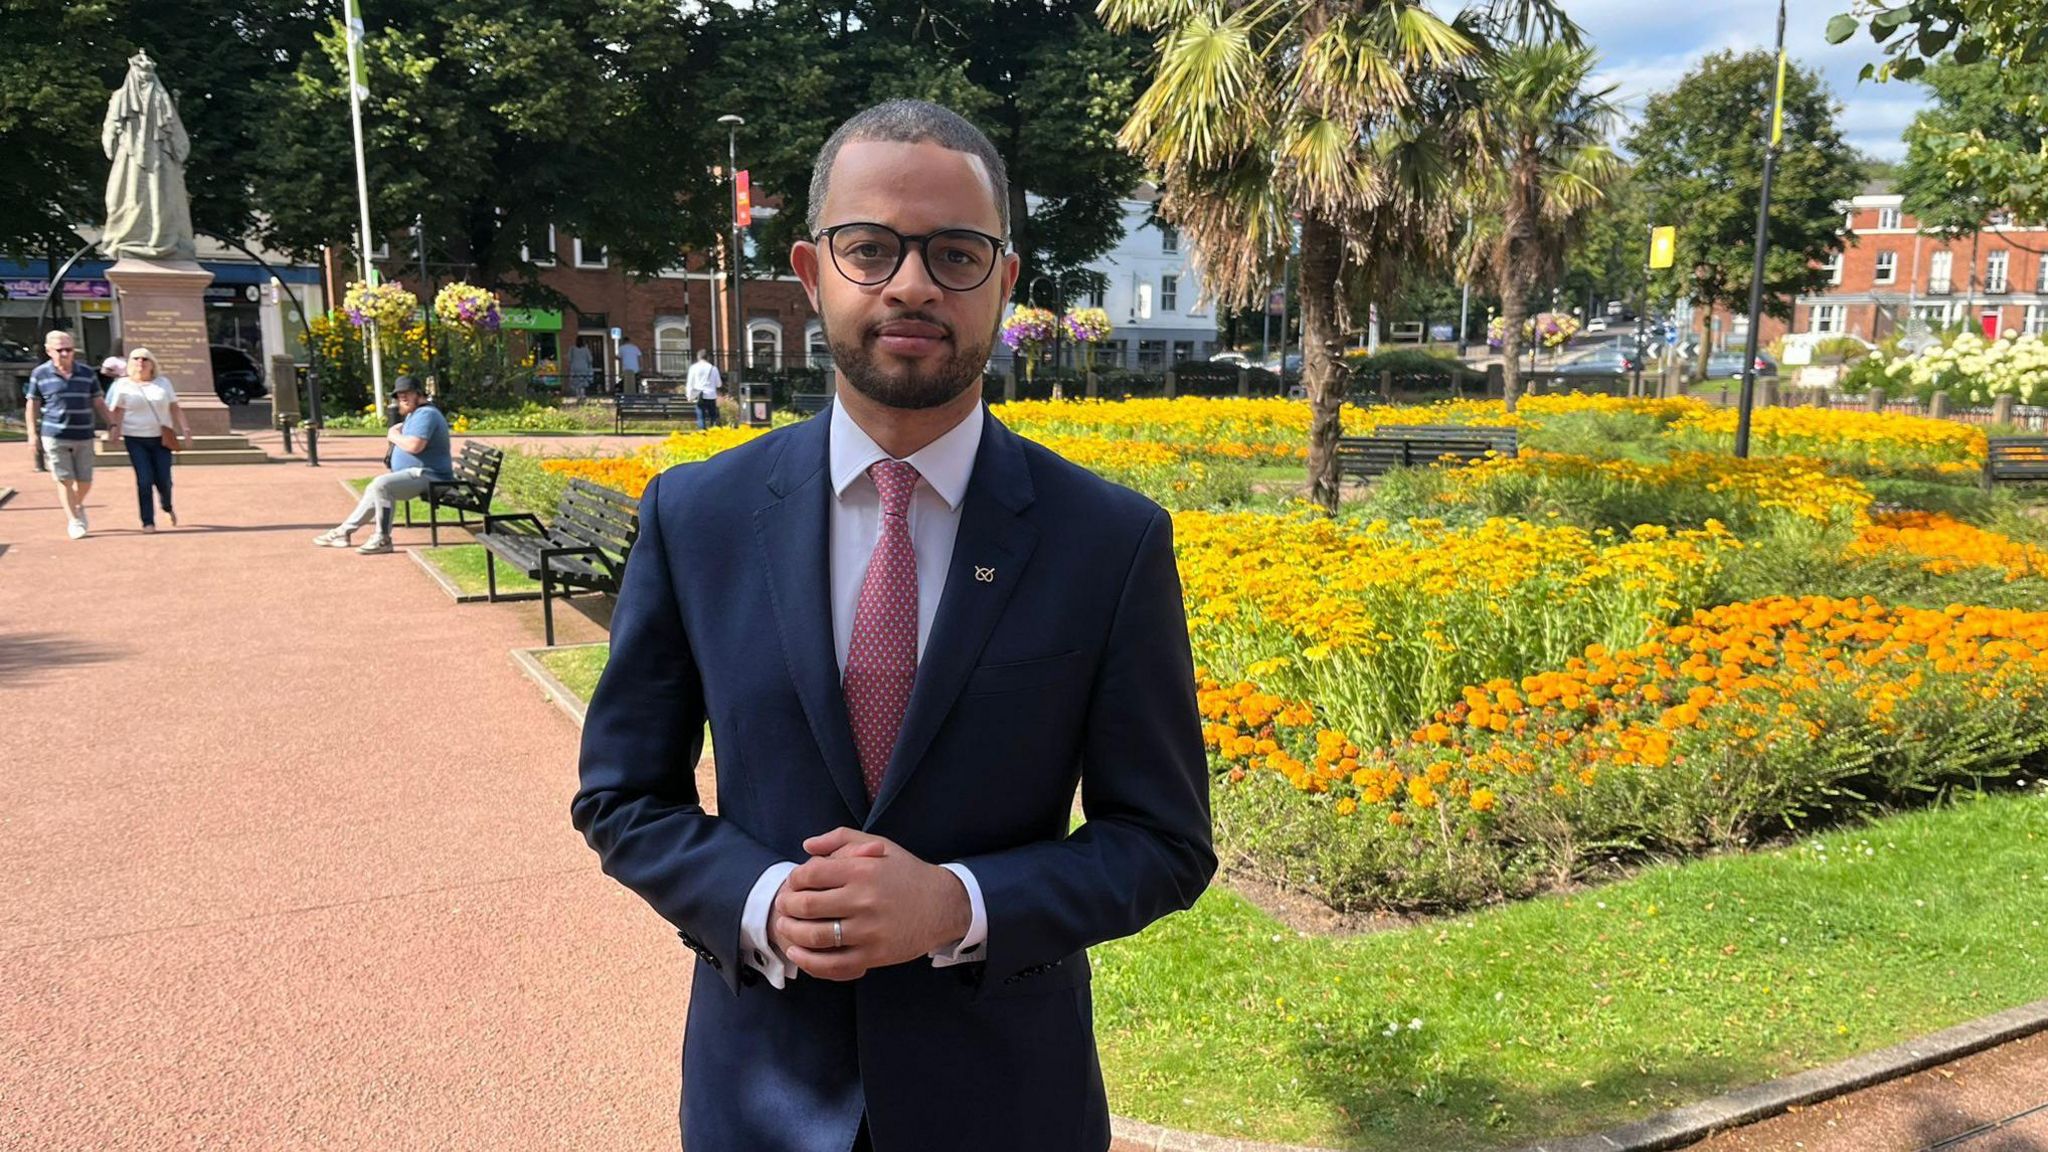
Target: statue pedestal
x=163 y=309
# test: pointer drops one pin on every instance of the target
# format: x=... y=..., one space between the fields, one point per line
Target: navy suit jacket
x=1059 y=655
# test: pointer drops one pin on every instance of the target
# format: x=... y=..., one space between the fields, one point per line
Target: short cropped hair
x=911 y=122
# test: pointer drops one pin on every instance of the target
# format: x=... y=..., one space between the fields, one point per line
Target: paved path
x=245 y=901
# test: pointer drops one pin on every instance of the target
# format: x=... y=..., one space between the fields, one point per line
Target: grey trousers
x=383 y=495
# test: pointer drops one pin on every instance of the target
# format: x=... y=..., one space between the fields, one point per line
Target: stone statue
x=148 y=214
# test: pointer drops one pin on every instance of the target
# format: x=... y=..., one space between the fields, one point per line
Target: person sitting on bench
x=419 y=453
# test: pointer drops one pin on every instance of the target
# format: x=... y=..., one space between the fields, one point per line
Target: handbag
x=169 y=434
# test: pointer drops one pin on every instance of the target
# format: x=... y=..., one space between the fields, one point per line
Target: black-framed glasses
x=957 y=259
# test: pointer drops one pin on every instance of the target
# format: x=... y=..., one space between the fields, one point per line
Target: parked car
x=1721 y=365
x=1613 y=359
x=1237 y=358
x=15 y=352
x=1596 y=324
x=236 y=378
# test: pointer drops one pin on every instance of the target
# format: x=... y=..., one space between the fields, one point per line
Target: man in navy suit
x=912 y=634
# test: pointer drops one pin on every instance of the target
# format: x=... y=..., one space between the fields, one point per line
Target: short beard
x=909 y=388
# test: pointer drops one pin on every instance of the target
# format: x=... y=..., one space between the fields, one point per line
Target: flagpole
x=1747 y=406
x=356 y=92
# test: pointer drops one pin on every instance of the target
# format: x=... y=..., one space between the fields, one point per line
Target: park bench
x=2016 y=460
x=809 y=403
x=1419 y=445
x=666 y=406
x=584 y=550
x=475 y=482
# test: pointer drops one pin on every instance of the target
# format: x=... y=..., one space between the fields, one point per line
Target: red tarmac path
x=246 y=900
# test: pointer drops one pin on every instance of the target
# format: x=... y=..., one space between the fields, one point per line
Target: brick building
x=1891 y=277
x=668 y=315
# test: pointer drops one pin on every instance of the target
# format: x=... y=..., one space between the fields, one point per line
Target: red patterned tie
x=881 y=663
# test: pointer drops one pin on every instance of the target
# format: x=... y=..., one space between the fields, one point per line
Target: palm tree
x=1345 y=115
x=1544 y=164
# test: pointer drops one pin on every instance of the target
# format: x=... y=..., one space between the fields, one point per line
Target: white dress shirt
x=943 y=467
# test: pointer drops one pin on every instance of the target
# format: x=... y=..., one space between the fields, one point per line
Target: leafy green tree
x=1700 y=153
x=1914 y=32
x=66 y=57
x=490 y=123
x=1545 y=166
x=1973 y=151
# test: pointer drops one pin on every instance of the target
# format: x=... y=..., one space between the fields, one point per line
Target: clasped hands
x=891 y=907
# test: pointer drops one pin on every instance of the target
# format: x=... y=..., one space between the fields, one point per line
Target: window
x=1183 y=351
x=764 y=344
x=545 y=257
x=1169 y=293
x=382 y=251
x=1829 y=318
x=1111 y=354
x=1887 y=218
x=2041 y=274
x=2037 y=319
x=2001 y=219
x=1941 y=272
x=1151 y=355
x=590 y=257
x=1887 y=267
x=817 y=351
x=1995 y=266
x=1933 y=315
x=1169 y=239
x=1095 y=293
x=1834 y=266
x=671 y=346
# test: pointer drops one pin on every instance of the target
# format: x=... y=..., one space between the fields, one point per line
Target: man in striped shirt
x=63 y=397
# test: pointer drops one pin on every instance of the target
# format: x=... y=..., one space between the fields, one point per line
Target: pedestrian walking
x=419 y=454
x=63 y=398
x=629 y=366
x=702 y=386
x=144 y=412
x=579 y=371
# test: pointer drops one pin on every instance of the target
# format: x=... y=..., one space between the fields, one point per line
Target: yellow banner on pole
x=1778 y=104
x=1663 y=246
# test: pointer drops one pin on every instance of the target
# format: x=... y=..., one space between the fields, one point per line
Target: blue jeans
x=707 y=414
x=152 y=463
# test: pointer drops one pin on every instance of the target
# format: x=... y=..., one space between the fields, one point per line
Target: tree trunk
x=1322 y=366
x=1511 y=315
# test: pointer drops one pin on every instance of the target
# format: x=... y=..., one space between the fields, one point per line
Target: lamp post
x=356 y=92
x=1747 y=405
x=733 y=124
x=419 y=241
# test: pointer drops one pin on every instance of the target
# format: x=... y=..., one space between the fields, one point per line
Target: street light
x=733 y=124
x=1059 y=305
x=1747 y=404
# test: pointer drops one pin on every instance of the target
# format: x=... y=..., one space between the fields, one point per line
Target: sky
x=1646 y=45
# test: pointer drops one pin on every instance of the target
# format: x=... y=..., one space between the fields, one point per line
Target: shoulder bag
x=169 y=434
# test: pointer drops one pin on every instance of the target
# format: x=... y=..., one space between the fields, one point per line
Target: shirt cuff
x=968 y=949
x=755 y=951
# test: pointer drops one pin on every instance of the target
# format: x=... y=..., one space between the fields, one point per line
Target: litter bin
x=756 y=404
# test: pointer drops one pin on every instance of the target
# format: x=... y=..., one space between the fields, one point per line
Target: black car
x=236 y=379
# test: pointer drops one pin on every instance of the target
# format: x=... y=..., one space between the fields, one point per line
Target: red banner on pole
x=743 y=210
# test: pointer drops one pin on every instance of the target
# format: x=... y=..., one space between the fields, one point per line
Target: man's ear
x=1012 y=266
x=803 y=260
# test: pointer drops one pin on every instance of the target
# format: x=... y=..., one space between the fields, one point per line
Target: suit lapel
x=794 y=537
x=990 y=552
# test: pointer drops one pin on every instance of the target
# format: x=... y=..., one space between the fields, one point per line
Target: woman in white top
x=144 y=406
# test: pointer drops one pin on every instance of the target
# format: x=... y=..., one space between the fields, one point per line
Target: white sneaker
x=335 y=538
x=375 y=546
x=84 y=522
x=77 y=530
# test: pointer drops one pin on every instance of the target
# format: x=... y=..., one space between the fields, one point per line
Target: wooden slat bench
x=666 y=406
x=2016 y=460
x=584 y=550
x=476 y=481
x=809 y=403
x=1419 y=446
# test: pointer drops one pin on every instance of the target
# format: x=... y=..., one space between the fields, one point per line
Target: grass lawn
x=577 y=668
x=1571 y=1014
x=464 y=565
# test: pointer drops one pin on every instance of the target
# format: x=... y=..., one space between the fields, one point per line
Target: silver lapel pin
x=985 y=575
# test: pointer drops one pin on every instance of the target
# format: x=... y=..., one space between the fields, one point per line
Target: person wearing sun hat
x=145 y=406
x=419 y=453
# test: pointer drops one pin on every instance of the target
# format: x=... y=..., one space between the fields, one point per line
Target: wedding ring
x=838 y=935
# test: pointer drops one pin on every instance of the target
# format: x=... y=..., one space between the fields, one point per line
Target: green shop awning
x=530 y=319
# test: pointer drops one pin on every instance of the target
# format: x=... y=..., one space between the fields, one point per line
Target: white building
x=1154 y=297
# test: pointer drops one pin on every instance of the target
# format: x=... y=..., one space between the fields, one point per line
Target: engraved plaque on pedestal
x=163 y=309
